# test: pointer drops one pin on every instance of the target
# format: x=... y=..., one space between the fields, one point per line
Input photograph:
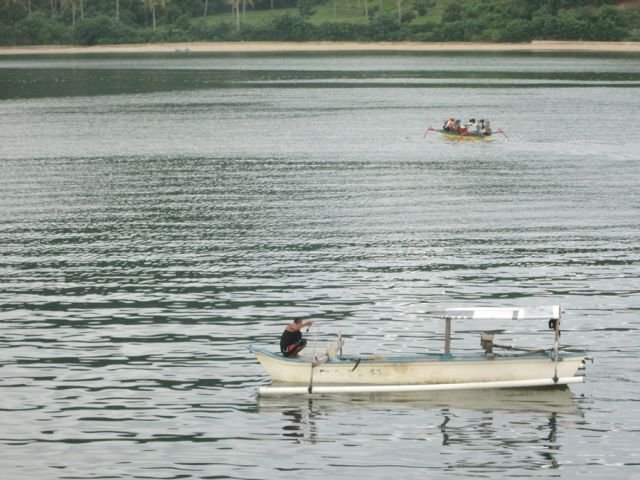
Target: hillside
x=90 y=22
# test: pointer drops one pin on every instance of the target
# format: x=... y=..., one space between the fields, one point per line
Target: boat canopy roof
x=505 y=313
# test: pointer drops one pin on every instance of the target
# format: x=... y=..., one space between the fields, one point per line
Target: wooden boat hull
x=418 y=369
x=456 y=137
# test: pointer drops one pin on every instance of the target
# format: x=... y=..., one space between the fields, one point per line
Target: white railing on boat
x=487 y=313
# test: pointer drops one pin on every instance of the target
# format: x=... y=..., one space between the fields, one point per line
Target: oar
x=314 y=360
x=314 y=363
x=502 y=132
x=430 y=129
x=310 y=389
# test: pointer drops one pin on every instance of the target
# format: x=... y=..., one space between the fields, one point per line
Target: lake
x=159 y=213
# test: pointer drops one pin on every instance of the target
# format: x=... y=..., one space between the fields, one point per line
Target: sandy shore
x=240 y=47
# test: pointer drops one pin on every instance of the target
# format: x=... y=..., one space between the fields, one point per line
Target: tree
x=74 y=6
x=305 y=7
x=98 y=29
x=244 y=7
x=151 y=6
x=452 y=13
x=518 y=30
x=17 y=3
x=235 y=11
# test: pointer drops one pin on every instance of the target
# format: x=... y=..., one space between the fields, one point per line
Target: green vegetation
x=90 y=22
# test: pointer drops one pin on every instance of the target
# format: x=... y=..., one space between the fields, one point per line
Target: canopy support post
x=447 y=336
x=556 y=345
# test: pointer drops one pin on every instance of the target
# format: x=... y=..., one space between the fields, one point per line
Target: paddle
x=310 y=389
x=502 y=132
x=430 y=129
x=314 y=361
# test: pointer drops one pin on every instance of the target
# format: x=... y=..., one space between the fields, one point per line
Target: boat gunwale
x=416 y=358
x=465 y=135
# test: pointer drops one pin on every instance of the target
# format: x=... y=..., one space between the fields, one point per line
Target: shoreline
x=287 y=47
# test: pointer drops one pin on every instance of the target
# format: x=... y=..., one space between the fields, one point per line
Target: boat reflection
x=500 y=419
x=299 y=423
x=552 y=400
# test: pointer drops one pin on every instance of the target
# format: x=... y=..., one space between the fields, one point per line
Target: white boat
x=336 y=373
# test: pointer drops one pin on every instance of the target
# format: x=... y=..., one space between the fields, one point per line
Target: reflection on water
x=299 y=423
x=553 y=400
x=522 y=422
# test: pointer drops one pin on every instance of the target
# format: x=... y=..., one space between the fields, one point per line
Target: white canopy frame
x=506 y=313
x=550 y=314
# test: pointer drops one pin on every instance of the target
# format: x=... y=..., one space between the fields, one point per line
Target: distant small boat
x=463 y=137
x=473 y=131
x=337 y=373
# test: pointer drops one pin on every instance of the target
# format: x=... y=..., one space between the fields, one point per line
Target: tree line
x=89 y=22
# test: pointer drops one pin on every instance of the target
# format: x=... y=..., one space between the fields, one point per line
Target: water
x=161 y=212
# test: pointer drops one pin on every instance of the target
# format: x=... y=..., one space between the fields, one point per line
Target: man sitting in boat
x=449 y=125
x=291 y=341
x=487 y=127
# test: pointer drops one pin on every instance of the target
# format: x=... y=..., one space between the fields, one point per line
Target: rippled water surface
x=160 y=213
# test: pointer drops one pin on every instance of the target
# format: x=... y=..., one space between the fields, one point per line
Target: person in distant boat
x=472 y=126
x=449 y=125
x=291 y=341
x=487 y=127
x=462 y=129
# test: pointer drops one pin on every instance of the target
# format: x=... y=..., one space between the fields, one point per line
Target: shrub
x=101 y=30
x=291 y=28
x=8 y=35
x=203 y=30
x=384 y=27
x=517 y=31
x=343 y=31
x=37 y=29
